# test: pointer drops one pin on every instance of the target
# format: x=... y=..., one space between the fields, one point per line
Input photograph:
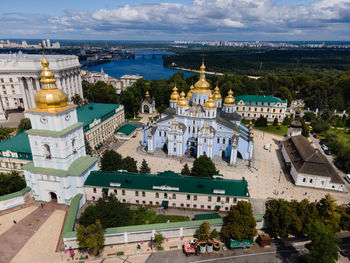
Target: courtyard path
x=6 y=221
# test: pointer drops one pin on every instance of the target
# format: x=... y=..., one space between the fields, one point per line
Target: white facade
x=20 y=79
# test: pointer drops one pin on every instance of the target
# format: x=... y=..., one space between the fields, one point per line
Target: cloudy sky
x=234 y=20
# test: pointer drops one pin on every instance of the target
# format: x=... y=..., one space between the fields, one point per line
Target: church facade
x=200 y=123
x=60 y=165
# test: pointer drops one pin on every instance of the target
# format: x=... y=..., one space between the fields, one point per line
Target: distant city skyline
x=233 y=20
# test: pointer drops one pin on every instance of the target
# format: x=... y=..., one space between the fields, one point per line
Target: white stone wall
x=155 y=198
x=255 y=111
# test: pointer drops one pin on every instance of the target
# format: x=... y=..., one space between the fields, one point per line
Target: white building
x=20 y=79
x=60 y=165
x=308 y=166
x=128 y=80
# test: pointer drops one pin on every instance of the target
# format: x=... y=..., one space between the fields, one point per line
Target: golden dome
x=202 y=85
x=49 y=97
x=217 y=95
x=182 y=102
x=147 y=95
x=229 y=100
x=210 y=104
x=189 y=94
x=175 y=95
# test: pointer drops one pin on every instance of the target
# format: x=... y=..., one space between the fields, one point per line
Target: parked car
x=328 y=152
x=347 y=178
x=324 y=147
x=316 y=136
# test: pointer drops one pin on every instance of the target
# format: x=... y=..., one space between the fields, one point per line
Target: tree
x=309 y=116
x=203 y=166
x=214 y=234
x=204 y=231
x=327 y=210
x=324 y=244
x=5 y=132
x=77 y=100
x=275 y=122
x=91 y=237
x=239 y=223
x=111 y=161
x=88 y=148
x=24 y=125
x=320 y=125
x=345 y=217
x=144 y=169
x=185 y=170
x=129 y=164
x=307 y=212
x=159 y=240
x=261 y=122
x=305 y=132
x=10 y=183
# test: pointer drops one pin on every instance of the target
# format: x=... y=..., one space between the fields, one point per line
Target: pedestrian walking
x=14 y=221
x=42 y=205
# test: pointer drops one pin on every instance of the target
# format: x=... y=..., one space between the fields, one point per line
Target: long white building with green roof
x=254 y=106
x=167 y=189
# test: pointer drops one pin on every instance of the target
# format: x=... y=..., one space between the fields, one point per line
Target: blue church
x=200 y=123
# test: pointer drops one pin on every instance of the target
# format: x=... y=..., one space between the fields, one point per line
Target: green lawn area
x=280 y=130
x=342 y=134
x=136 y=119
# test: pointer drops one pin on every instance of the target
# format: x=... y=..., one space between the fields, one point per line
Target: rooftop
x=18 y=143
x=88 y=113
x=126 y=129
x=170 y=182
x=259 y=98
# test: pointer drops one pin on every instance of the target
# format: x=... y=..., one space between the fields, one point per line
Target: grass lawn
x=279 y=130
x=171 y=218
x=136 y=119
x=342 y=134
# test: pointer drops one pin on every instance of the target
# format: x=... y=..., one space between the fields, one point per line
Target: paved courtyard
x=266 y=177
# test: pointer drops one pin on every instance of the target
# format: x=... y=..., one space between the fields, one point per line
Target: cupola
x=229 y=100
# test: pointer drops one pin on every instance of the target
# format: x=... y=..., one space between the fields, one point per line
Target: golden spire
x=49 y=97
x=182 y=102
x=229 y=100
x=147 y=95
x=202 y=85
x=210 y=104
x=217 y=95
x=175 y=95
x=189 y=94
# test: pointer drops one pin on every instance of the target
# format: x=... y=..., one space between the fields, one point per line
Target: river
x=143 y=64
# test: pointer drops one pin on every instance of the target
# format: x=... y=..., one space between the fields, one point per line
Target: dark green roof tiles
x=259 y=98
x=169 y=181
x=126 y=129
x=18 y=144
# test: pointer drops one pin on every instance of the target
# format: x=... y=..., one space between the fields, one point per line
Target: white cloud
x=216 y=19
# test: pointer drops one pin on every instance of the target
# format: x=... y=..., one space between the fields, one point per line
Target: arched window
x=47 y=152
x=73 y=146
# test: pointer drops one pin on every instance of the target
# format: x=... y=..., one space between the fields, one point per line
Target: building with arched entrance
x=200 y=123
x=148 y=105
x=59 y=165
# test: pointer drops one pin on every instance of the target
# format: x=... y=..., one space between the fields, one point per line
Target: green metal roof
x=185 y=184
x=55 y=133
x=15 y=194
x=259 y=98
x=72 y=214
x=88 y=113
x=207 y=216
x=79 y=166
x=18 y=143
x=126 y=129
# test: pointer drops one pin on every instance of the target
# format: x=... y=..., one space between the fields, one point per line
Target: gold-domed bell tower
x=174 y=97
x=217 y=96
x=210 y=107
x=229 y=103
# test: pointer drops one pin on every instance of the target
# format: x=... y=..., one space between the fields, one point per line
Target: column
x=80 y=88
x=233 y=157
x=30 y=92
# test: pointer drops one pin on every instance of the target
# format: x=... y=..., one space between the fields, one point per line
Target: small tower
x=182 y=104
x=210 y=107
x=229 y=103
x=217 y=97
x=201 y=89
x=189 y=95
x=174 y=97
x=148 y=105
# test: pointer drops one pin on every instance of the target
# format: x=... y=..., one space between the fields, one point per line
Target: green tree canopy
x=144 y=169
x=24 y=125
x=91 y=237
x=159 y=240
x=10 y=183
x=324 y=244
x=77 y=100
x=129 y=164
x=203 y=166
x=185 y=170
x=111 y=161
x=327 y=210
x=239 y=223
x=204 y=231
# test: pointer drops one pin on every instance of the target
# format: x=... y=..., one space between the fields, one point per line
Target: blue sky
x=177 y=19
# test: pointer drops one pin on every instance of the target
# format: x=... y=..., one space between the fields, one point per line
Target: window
x=227 y=199
x=218 y=199
x=195 y=198
x=187 y=205
x=226 y=208
x=144 y=202
x=218 y=140
x=194 y=122
x=164 y=134
x=273 y=110
x=174 y=149
x=94 y=190
x=205 y=140
x=115 y=191
x=124 y=200
x=93 y=198
x=194 y=206
x=137 y=201
x=150 y=202
x=310 y=181
x=209 y=198
x=174 y=137
x=209 y=207
x=157 y=203
x=223 y=140
x=256 y=109
x=182 y=205
x=160 y=133
x=136 y=193
x=157 y=195
x=188 y=197
x=165 y=195
x=202 y=206
x=123 y=192
x=143 y=194
x=174 y=196
x=47 y=151
x=235 y=200
x=174 y=204
x=229 y=141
